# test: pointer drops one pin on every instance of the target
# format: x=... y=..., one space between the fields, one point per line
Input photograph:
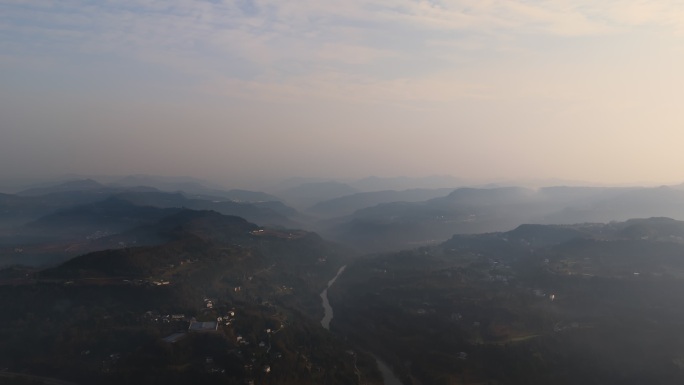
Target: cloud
x=217 y=25
x=378 y=49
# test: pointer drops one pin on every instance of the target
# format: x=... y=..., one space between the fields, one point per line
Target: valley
x=137 y=288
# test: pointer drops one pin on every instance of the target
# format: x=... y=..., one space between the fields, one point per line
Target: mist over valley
x=436 y=284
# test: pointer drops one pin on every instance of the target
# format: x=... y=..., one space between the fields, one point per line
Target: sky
x=256 y=89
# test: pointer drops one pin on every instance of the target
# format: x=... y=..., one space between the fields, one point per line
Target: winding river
x=387 y=375
x=328 y=311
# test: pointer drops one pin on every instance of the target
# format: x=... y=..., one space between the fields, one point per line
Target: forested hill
x=122 y=316
x=541 y=304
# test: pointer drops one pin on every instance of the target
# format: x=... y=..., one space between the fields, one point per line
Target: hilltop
x=256 y=287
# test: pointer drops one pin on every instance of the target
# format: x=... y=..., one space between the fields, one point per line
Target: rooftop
x=203 y=326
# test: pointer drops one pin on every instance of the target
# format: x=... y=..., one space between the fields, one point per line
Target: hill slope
x=541 y=304
x=122 y=316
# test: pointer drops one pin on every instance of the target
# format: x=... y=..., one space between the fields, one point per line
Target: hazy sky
x=574 y=89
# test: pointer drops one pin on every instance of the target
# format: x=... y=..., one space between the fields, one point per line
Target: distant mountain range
x=50 y=223
x=304 y=195
x=347 y=204
x=43 y=200
x=142 y=183
x=368 y=221
x=404 y=224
